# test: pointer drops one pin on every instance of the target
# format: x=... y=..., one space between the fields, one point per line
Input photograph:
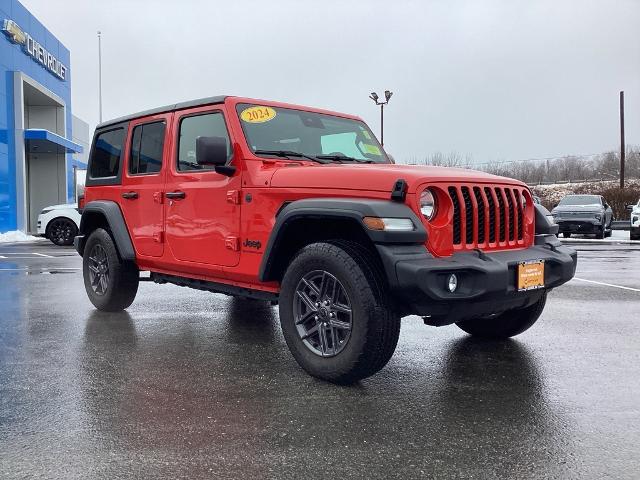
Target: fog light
x=452 y=282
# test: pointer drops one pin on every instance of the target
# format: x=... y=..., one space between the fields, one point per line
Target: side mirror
x=213 y=151
x=630 y=207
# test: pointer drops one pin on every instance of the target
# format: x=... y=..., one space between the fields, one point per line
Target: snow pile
x=16 y=236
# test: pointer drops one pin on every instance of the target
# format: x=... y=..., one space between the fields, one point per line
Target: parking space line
x=2 y=256
x=41 y=255
x=608 y=284
x=44 y=269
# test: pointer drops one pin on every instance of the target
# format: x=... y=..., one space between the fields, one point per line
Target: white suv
x=59 y=223
x=635 y=221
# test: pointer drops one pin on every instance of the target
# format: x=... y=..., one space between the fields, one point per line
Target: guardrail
x=621 y=225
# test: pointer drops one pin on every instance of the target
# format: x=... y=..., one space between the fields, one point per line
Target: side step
x=214 y=287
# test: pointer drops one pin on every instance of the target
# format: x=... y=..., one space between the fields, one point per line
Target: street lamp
x=100 y=75
x=376 y=99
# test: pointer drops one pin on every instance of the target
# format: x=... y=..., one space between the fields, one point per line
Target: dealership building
x=43 y=146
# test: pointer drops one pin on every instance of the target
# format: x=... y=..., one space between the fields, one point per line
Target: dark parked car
x=584 y=214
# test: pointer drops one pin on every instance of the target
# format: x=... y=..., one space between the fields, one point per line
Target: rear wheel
x=335 y=314
x=111 y=284
x=507 y=324
x=61 y=231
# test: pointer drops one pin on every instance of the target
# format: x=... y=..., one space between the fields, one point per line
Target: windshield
x=313 y=134
x=580 y=200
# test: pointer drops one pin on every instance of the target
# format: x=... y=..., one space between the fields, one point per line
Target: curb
x=600 y=241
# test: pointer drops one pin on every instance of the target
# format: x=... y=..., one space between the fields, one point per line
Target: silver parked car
x=584 y=214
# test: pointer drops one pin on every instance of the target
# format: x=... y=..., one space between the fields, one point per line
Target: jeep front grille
x=487 y=217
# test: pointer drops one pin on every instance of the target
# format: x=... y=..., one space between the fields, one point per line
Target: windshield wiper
x=344 y=158
x=289 y=153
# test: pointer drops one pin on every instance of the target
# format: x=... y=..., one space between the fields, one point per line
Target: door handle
x=130 y=195
x=175 y=195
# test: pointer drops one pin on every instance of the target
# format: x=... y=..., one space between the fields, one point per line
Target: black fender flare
x=113 y=215
x=349 y=208
x=543 y=225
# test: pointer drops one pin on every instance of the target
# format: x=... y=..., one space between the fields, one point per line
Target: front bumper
x=41 y=226
x=579 y=226
x=487 y=282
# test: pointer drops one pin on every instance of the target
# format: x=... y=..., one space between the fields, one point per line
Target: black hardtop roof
x=167 y=108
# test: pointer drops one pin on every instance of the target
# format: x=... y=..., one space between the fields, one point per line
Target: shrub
x=619 y=199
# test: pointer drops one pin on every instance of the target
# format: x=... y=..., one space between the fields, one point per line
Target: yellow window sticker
x=258 y=114
x=366 y=134
x=372 y=149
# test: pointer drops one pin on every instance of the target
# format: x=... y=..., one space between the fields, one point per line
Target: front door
x=141 y=200
x=202 y=221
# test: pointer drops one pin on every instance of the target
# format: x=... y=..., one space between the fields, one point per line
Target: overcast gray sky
x=497 y=80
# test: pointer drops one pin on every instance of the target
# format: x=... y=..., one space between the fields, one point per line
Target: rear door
x=202 y=219
x=143 y=181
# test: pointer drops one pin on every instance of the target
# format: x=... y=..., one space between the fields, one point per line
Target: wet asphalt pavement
x=189 y=384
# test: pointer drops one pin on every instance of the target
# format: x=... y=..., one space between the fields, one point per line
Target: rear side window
x=207 y=125
x=105 y=157
x=146 y=148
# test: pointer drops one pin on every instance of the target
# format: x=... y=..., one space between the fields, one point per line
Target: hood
x=378 y=177
x=61 y=206
x=595 y=208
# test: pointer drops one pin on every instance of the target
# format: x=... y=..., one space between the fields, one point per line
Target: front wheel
x=335 y=314
x=61 y=231
x=566 y=234
x=111 y=284
x=601 y=233
x=507 y=324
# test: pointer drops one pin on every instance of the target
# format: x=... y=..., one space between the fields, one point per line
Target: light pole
x=100 y=75
x=375 y=98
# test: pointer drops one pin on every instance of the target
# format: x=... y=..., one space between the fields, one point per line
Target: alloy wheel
x=61 y=232
x=322 y=313
x=98 y=269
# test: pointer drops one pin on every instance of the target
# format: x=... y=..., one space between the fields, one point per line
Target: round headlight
x=427 y=204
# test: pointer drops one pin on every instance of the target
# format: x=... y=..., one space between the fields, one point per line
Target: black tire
x=111 y=284
x=600 y=234
x=608 y=232
x=61 y=231
x=566 y=234
x=374 y=325
x=507 y=324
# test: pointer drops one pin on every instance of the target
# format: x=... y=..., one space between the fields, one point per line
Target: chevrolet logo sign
x=34 y=49
x=14 y=32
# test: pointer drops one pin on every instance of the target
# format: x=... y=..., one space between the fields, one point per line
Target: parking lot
x=189 y=384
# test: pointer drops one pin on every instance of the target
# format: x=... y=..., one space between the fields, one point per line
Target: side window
x=207 y=125
x=106 y=153
x=147 y=143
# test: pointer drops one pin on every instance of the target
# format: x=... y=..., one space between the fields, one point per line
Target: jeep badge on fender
x=346 y=242
x=252 y=244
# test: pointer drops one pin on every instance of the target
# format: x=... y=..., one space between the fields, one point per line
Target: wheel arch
x=106 y=214
x=59 y=217
x=303 y=222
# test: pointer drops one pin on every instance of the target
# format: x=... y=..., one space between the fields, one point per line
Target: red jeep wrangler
x=302 y=207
